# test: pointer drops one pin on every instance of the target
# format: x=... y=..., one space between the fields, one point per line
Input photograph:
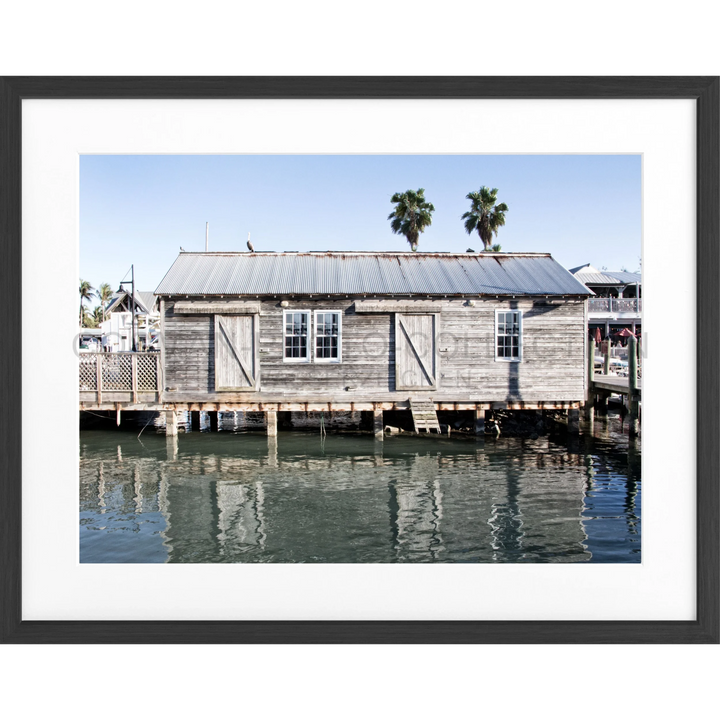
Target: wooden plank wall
x=552 y=368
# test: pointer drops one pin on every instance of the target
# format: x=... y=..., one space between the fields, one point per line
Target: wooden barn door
x=416 y=352
x=236 y=352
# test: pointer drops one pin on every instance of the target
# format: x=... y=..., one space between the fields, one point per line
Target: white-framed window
x=508 y=335
x=328 y=336
x=296 y=335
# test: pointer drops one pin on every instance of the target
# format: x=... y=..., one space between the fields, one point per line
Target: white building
x=117 y=330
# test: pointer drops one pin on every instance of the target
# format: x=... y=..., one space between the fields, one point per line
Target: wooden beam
x=199 y=307
x=397 y=306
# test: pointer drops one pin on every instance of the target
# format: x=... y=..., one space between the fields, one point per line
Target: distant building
x=617 y=303
x=117 y=328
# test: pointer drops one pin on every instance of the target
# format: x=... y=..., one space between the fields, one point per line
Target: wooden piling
x=633 y=396
x=606 y=358
x=171 y=447
x=589 y=393
x=479 y=423
x=171 y=423
x=271 y=421
x=573 y=417
x=378 y=427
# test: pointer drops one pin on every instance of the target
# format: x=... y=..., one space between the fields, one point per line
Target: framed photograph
x=360 y=360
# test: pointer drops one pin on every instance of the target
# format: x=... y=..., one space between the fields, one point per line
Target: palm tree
x=87 y=292
x=484 y=215
x=104 y=293
x=88 y=320
x=411 y=216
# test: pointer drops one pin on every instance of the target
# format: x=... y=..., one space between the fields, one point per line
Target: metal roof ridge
x=406 y=253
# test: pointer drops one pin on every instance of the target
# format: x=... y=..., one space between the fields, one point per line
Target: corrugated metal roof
x=625 y=277
x=608 y=278
x=147 y=298
x=365 y=273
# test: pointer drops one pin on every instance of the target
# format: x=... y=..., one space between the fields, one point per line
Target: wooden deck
x=614 y=384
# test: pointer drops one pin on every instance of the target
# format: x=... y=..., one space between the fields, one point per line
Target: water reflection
x=208 y=498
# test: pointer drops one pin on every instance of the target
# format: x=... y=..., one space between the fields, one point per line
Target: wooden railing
x=119 y=372
x=615 y=305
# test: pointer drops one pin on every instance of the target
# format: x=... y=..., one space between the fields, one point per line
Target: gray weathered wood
x=552 y=370
x=424 y=416
x=396 y=306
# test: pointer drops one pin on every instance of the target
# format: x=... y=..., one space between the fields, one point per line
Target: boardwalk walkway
x=614 y=384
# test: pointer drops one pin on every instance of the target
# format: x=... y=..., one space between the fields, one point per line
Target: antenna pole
x=207 y=233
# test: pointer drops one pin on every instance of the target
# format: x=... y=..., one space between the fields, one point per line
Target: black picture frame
x=705 y=91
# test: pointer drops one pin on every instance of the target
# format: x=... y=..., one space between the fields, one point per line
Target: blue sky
x=140 y=209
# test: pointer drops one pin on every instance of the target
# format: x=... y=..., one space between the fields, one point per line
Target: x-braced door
x=416 y=351
x=236 y=352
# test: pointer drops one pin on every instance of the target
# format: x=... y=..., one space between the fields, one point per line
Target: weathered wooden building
x=369 y=331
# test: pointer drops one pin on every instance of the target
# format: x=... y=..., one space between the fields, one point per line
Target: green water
x=242 y=497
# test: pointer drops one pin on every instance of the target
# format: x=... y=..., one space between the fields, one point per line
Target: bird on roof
x=250 y=246
x=182 y=249
x=469 y=250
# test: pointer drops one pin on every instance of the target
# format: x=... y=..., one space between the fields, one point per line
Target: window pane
x=296 y=330
x=508 y=334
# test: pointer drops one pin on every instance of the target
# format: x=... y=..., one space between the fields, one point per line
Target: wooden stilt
x=479 y=423
x=171 y=447
x=633 y=395
x=271 y=421
x=589 y=393
x=378 y=427
x=171 y=423
x=272 y=450
x=117 y=414
x=573 y=421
